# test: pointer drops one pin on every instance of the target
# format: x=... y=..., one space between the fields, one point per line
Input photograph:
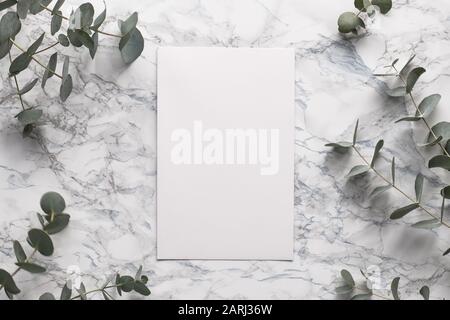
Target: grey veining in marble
x=98 y=150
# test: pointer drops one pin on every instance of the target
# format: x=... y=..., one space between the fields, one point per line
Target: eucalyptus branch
x=36 y=60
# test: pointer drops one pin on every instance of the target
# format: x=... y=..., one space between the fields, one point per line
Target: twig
x=47 y=48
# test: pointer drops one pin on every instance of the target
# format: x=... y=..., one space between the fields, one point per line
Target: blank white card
x=225 y=153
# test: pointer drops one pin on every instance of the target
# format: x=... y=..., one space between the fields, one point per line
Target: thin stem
x=17 y=85
x=437 y=217
x=47 y=48
x=36 y=60
x=19 y=268
x=421 y=115
x=65 y=18
x=97 y=290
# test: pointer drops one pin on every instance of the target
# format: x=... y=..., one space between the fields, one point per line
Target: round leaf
x=412 y=78
x=425 y=292
x=40 y=240
x=347 y=22
x=29 y=116
x=19 y=252
x=7 y=281
x=127 y=283
x=384 y=5
x=347 y=276
x=131 y=46
x=52 y=202
x=428 y=104
x=47 y=296
x=9 y=26
x=440 y=161
x=63 y=40
x=59 y=223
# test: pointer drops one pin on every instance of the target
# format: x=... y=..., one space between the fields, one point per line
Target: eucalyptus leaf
x=73 y=38
x=129 y=24
x=41 y=219
x=347 y=276
x=425 y=292
x=127 y=283
x=345 y=289
x=19 y=252
x=35 y=45
x=405 y=67
x=419 y=187
x=26 y=88
x=40 y=240
x=27 y=130
x=379 y=190
x=29 y=116
x=65 y=69
x=396 y=92
x=99 y=20
x=30 y=267
x=57 y=6
x=20 y=63
x=93 y=49
x=347 y=22
x=9 y=26
x=5 y=47
x=358 y=170
x=52 y=202
x=37 y=6
x=440 y=129
x=384 y=5
x=445 y=192
x=393 y=170
x=82 y=291
x=428 y=104
x=7 y=281
x=440 y=161
x=83 y=16
x=85 y=39
x=58 y=224
x=66 y=293
x=361 y=296
x=66 y=88
x=359 y=4
x=118 y=285
x=401 y=212
x=446 y=252
x=63 y=40
x=394 y=62
x=427 y=224
x=432 y=142
x=47 y=296
x=131 y=46
x=394 y=288
x=22 y=8
x=412 y=78
x=52 y=62
x=342 y=145
x=6 y=4
x=376 y=152
x=56 y=23
x=415 y=118
x=355 y=132
x=141 y=288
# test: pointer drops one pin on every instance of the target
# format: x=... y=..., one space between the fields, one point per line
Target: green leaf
x=119 y=290
x=129 y=24
x=440 y=129
x=440 y=161
x=384 y=5
x=22 y=8
x=445 y=192
x=442 y=207
x=355 y=132
x=416 y=118
x=358 y=170
x=35 y=45
x=36 y=7
x=30 y=267
x=19 y=252
x=40 y=240
x=446 y=252
x=428 y=104
x=20 y=63
x=73 y=38
x=379 y=190
x=141 y=288
x=52 y=62
x=419 y=187
x=9 y=26
x=425 y=292
x=63 y=40
x=341 y=145
x=26 y=88
x=5 y=47
x=400 y=213
x=47 y=296
x=347 y=276
x=394 y=288
x=138 y=274
x=405 y=67
x=393 y=170
x=347 y=22
x=57 y=6
x=394 y=62
x=144 y=279
x=82 y=17
x=65 y=69
x=427 y=224
x=59 y=223
x=412 y=78
x=29 y=116
x=93 y=50
x=27 y=130
x=127 y=283
x=56 y=23
x=52 y=202
x=376 y=152
x=99 y=20
x=396 y=92
x=362 y=296
x=82 y=291
x=431 y=143
x=131 y=46
x=85 y=39
x=66 y=293
x=7 y=281
x=6 y=4
x=343 y=290
x=66 y=88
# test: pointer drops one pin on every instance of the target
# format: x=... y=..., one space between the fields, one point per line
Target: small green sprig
x=82 y=30
x=348 y=287
x=350 y=22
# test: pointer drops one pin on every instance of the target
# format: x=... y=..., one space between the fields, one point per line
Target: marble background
x=98 y=150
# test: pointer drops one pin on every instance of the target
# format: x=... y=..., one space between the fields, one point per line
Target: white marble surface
x=98 y=150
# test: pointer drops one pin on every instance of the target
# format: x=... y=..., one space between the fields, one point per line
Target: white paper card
x=225 y=155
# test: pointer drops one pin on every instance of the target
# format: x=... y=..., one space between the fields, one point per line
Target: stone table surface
x=98 y=150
